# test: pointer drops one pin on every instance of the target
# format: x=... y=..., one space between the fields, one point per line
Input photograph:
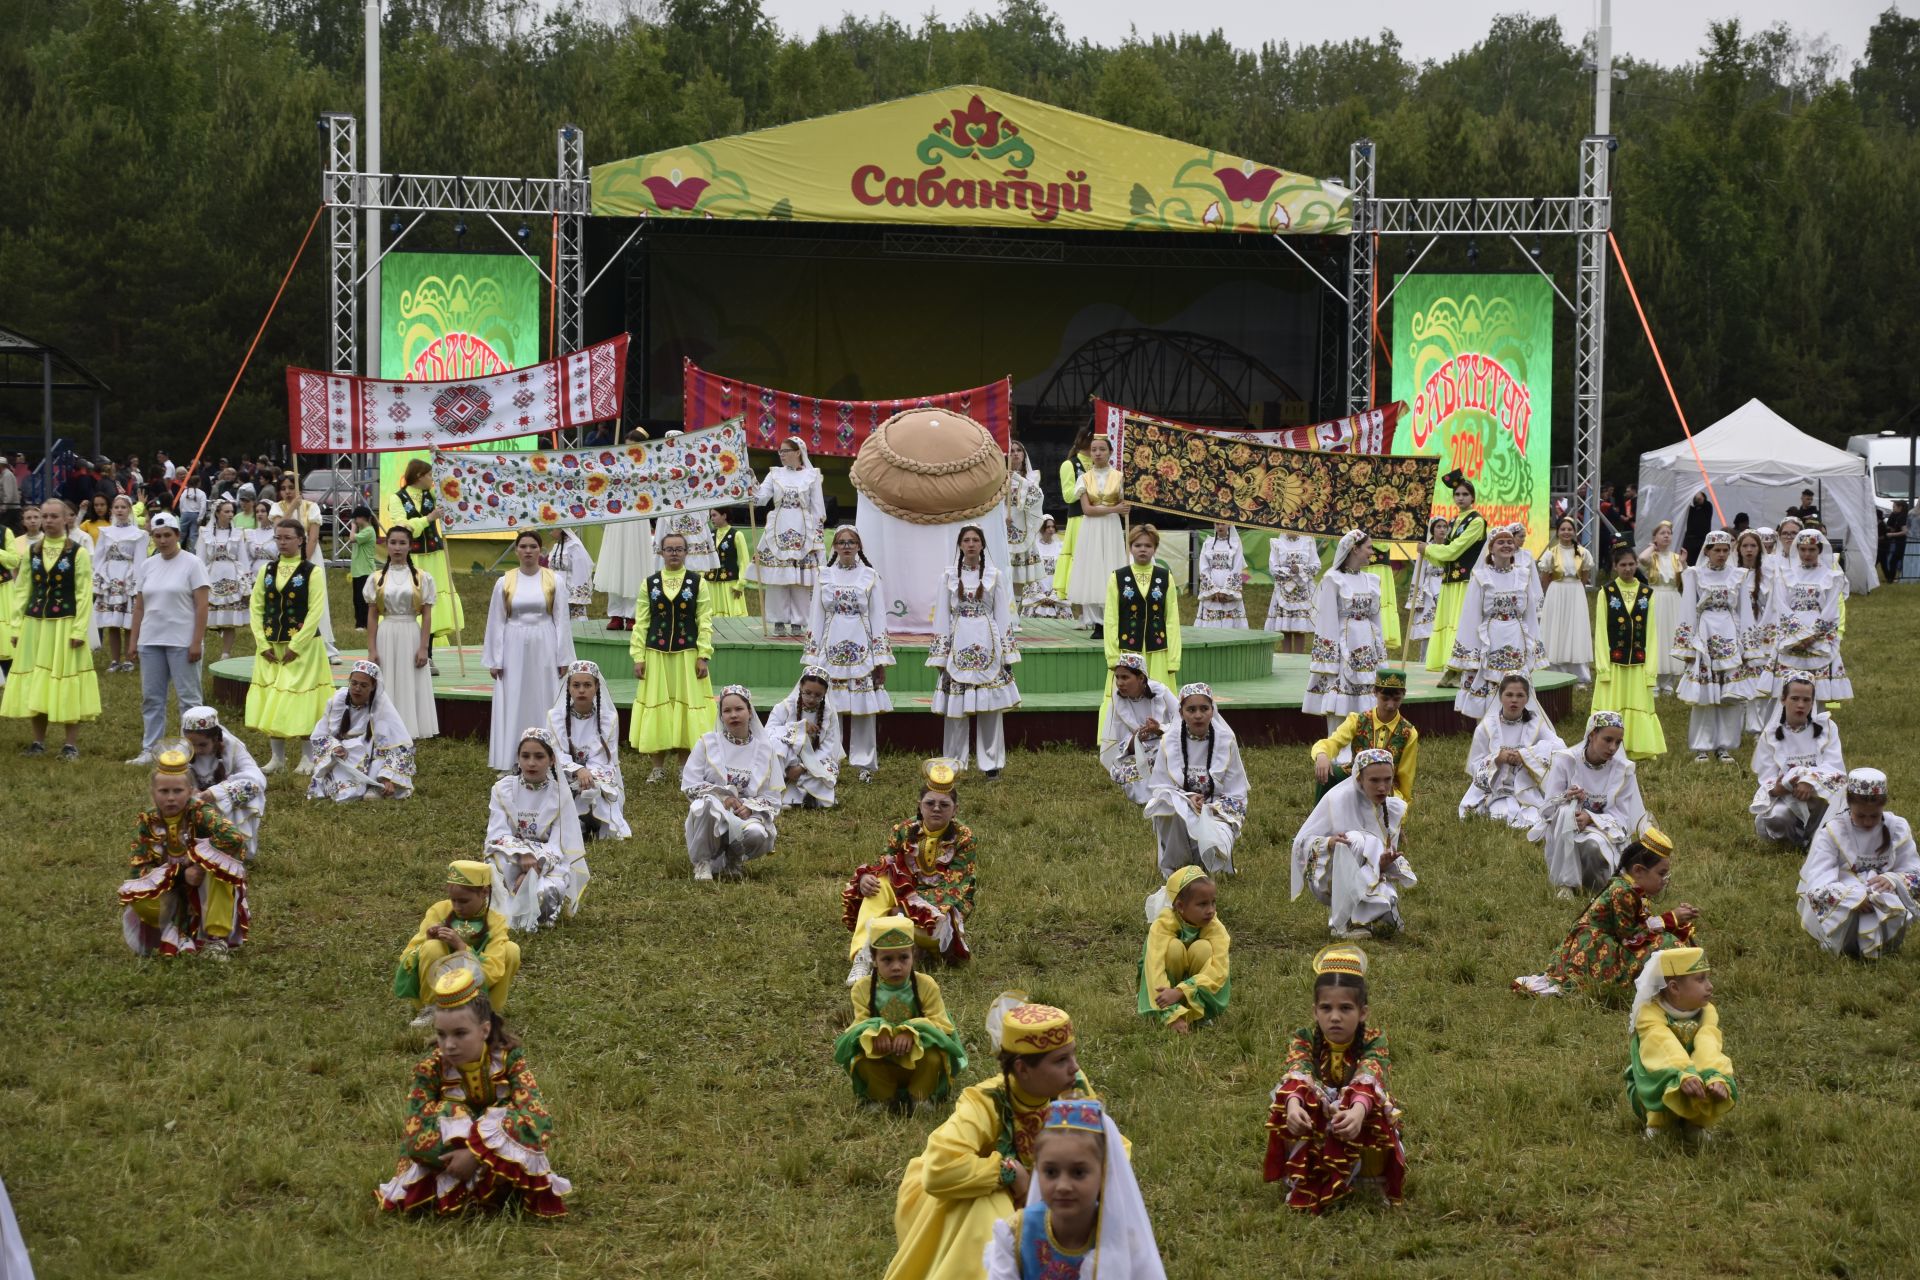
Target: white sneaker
x=1652 y=1134
x=658 y=775
x=145 y=757
x=1699 y=757
x=425 y=1019
x=866 y=775
x=1563 y=892
x=273 y=766
x=701 y=871
x=1726 y=757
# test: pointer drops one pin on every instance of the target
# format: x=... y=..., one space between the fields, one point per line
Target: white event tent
x=1759 y=462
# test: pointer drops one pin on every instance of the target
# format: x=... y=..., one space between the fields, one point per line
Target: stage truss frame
x=566 y=198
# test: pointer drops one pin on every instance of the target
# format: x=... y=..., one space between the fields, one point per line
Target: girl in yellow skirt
x=1624 y=656
x=671 y=647
x=52 y=681
x=729 y=592
x=1142 y=614
x=901 y=1049
x=1183 y=970
x=291 y=679
x=413 y=506
x=1455 y=559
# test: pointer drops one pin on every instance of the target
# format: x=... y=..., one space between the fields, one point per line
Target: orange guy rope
x=251 y=346
x=1641 y=312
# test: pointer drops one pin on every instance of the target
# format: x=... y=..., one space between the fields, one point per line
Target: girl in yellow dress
x=291 y=679
x=1661 y=566
x=463 y=922
x=1183 y=970
x=1142 y=615
x=901 y=1049
x=1679 y=1078
x=1625 y=621
x=52 y=680
x=671 y=647
x=976 y=1167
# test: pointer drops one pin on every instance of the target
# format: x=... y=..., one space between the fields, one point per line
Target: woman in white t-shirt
x=170 y=590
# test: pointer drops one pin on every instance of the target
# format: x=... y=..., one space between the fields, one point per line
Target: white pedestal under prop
x=910 y=558
x=924 y=475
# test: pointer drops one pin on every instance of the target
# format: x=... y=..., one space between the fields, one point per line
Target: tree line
x=159 y=162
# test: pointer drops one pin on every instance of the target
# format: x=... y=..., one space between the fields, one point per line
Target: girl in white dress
x=117 y=552
x=1711 y=640
x=1662 y=565
x=1198 y=795
x=697 y=530
x=806 y=729
x=1024 y=499
x=847 y=636
x=732 y=783
x=573 y=564
x=1566 y=624
x=1781 y=557
x=1141 y=711
x=1798 y=762
x=586 y=724
x=1348 y=851
x=1423 y=592
x=1348 y=642
x=1756 y=655
x=1512 y=751
x=400 y=602
x=1038 y=599
x=1804 y=617
x=223 y=549
x=974 y=648
x=626 y=561
x=787 y=556
x=534 y=843
x=1861 y=877
x=1101 y=548
x=261 y=550
x=528 y=647
x=1498 y=634
x=224 y=773
x=1221 y=600
x=1593 y=808
x=360 y=749
x=1292 y=562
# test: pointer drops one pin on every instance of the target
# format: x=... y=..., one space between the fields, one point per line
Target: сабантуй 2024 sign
x=1473 y=359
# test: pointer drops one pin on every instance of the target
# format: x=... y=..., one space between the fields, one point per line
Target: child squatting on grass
x=476 y=1132
x=1333 y=1123
x=188 y=889
x=1679 y=1078
x=1183 y=968
x=1084 y=1215
x=462 y=923
x=901 y=1049
x=1616 y=933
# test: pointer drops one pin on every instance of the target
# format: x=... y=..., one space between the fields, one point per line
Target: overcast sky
x=1664 y=31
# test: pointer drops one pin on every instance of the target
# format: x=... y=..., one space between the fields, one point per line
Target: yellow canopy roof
x=969 y=156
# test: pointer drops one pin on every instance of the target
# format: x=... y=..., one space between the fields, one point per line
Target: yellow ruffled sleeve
x=953 y=1166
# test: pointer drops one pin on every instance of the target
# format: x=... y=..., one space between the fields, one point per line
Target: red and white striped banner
x=340 y=413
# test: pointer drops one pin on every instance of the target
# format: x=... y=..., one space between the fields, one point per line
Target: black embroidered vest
x=1462 y=569
x=430 y=540
x=1626 y=630
x=284 y=605
x=1143 y=619
x=51 y=594
x=673 y=626
x=729 y=554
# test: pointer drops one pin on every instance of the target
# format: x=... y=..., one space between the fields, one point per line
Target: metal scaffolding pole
x=1590 y=334
x=570 y=269
x=1360 y=267
x=340 y=190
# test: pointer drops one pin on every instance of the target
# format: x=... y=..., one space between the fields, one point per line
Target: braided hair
x=606 y=746
x=859 y=544
x=1813 y=721
x=1526 y=713
x=799 y=711
x=960 y=561
x=346 y=710
x=380 y=581
x=1185 y=737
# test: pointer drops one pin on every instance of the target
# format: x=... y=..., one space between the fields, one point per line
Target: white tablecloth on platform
x=910 y=558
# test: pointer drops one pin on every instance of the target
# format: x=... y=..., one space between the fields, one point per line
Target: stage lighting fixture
x=522 y=231
x=1535 y=251
x=1473 y=252
x=395 y=225
x=460 y=227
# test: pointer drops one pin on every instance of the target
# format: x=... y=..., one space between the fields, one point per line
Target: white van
x=1889 y=457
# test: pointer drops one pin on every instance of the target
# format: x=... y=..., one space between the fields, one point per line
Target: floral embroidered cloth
x=1182 y=470
x=1369 y=432
x=495 y=492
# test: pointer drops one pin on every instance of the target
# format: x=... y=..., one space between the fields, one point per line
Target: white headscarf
x=754 y=756
x=560 y=715
x=806 y=459
x=1344 y=808
x=1646 y=988
x=1123 y=1245
x=383 y=721
x=797 y=715
x=1349 y=541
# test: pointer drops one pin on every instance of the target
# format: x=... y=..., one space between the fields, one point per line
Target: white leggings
x=988 y=733
x=862 y=749
x=787 y=604
x=1712 y=729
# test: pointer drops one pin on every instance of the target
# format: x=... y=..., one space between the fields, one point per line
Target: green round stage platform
x=1062 y=675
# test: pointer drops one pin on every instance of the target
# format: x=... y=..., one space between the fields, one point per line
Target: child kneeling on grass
x=1333 y=1123
x=462 y=923
x=1084 y=1215
x=1616 y=933
x=901 y=1049
x=476 y=1132
x=1679 y=1078
x=1183 y=970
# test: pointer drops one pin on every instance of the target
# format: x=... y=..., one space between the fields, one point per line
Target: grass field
x=193 y=1119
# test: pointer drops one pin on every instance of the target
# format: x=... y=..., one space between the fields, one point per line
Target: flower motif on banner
x=496 y=492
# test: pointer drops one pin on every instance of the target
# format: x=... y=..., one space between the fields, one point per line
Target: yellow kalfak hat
x=889 y=933
x=470 y=875
x=1340 y=958
x=1035 y=1028
x=172 y=760
x=1658 y=841
x=1680 y=961
x=940 y=773
x=456 y=985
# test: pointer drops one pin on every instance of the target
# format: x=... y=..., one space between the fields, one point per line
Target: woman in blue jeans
x=170 y=590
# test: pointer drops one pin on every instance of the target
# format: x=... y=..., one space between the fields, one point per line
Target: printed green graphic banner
x=1473 y=358
x=446 y=316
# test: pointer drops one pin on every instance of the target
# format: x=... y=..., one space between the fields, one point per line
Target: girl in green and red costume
x=925 y=875
x=1617 y=932
x=901 y=1050
x=477 y=1131
x=188 y=890
x=1679 y=1078
x=52 y=679
x=1333 y=1125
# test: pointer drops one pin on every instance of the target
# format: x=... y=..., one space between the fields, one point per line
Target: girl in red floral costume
x=476 y=1131
x=1333 y=1123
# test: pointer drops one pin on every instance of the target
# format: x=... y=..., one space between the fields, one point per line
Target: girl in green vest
x=672 y=644
x=1624 y=655
x=1142 y=614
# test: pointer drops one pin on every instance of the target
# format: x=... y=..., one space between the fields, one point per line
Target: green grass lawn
x=195 y=1119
